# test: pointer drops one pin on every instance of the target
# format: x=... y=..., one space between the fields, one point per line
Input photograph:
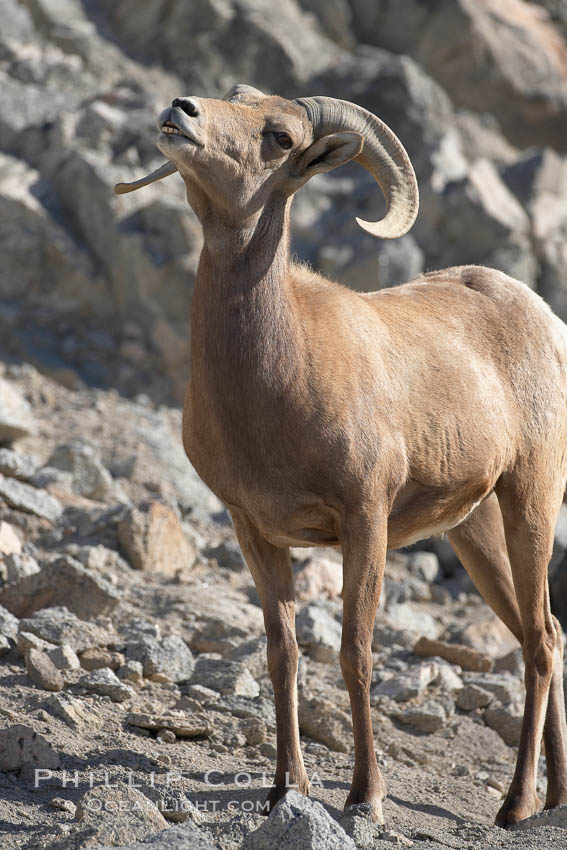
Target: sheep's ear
x=163 y=171
x=329 y=152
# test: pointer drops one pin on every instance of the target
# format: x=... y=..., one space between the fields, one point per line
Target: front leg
x=273 y=576
x=364 y=556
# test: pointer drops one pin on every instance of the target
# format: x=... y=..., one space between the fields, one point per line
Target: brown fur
x=324 y=416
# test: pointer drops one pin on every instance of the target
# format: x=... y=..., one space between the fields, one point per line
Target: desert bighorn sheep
x=323 y=416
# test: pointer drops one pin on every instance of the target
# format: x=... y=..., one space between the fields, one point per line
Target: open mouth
x=169 y=127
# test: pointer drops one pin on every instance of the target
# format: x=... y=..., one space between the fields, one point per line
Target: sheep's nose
x=188 y=105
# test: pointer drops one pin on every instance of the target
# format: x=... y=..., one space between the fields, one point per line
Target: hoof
x=278 y=792
x=372 y=803
x=552 y=801
x=516 y=808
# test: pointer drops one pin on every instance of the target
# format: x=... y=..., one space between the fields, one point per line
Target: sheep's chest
x=254 y=469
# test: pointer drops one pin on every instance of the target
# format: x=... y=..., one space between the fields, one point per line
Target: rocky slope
x=133 y=676
x=98 y=288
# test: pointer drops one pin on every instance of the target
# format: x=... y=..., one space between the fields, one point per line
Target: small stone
x=319 y=632
x=268 y=750
x=496 y=784
x=503 y=686
x=21 y=746
x=251 y=653
x=10 y=543
x=16 y=419
x=27 y=640
x=97 y=657
x=42 y=671
x=16 y=465
x=59 y=626
x=18 y=566
x=8 y=624
x=395 y=838
x=506 y=720
x=461 y=770
x=106 y=683
x=169 y=656
x=217 y=636
x=428 y=717
x=162 y=678
x=188 y=704
x=254 y=731
x=167 y=736
x=492 y=792
x=318 y=578
x=448 y=679
x=100 y=558
x=181 y=724
x=63 y=805
x=227 y=555
x=424 y=565
x=471 y=697
x=320 y=719
x=48 y=476
x=64 y=657
x=138 y=816
x=488 y=636
x=153 y=539
x=76 y=713
x=4 y=645
x=412 y=619
x=512 y=663
x=24 y=497
x=226 y=677
x=61 y=581
x=90 y=478
x=408 y=685
x=454 y=653
x=131 y=671
x=201 y=693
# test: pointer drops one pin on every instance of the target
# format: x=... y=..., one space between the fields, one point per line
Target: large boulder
x=397 y=90
x=483 y=223
x=271 y=46
x=38 y=254
x=499 y=56
x=298 y=823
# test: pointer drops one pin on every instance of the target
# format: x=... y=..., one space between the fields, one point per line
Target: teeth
x=173 y=130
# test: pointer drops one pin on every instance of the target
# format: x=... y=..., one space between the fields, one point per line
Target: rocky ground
x=134 y=701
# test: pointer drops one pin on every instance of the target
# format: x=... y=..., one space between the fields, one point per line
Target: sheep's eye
x=283 y=140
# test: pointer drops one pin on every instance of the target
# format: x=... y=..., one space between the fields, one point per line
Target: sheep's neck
x=243 y=324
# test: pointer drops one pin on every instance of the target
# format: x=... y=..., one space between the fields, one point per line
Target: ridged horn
x=382 y=154
x=163 y=171
x=239 y=91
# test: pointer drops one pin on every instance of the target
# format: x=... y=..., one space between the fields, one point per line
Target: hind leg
x=555 y=731
x=480 y=544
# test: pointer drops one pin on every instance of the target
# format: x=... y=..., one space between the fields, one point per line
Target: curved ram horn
x=382 y=154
